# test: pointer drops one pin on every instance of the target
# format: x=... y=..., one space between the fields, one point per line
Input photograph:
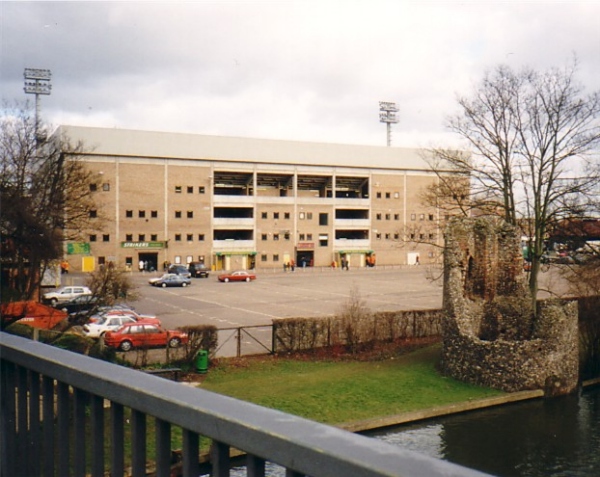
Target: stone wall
x=491 y=336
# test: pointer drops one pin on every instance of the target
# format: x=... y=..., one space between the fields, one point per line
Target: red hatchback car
x=146 y=335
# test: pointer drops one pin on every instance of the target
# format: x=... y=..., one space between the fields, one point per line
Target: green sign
x=143 y=244
x=80 y=248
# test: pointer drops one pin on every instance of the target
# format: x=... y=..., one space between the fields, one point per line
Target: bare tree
x=530 y=136
x=43 y=194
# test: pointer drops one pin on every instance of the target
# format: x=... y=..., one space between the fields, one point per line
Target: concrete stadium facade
x=242 y=203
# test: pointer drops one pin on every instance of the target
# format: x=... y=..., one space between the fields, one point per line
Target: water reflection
x=555 y=437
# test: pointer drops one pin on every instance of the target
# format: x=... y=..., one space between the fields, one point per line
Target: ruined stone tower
x=491 y=336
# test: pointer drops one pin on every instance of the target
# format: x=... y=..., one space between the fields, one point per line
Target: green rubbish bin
x=202 y=361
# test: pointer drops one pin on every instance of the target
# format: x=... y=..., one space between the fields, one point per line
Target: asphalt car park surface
x=302 y=293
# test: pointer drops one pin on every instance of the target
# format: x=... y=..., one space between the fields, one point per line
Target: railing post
x=239 y=342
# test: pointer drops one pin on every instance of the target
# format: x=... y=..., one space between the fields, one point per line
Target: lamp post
x=37 y=81
x=387 y=114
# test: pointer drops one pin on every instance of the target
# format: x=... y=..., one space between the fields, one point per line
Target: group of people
x=291 y=265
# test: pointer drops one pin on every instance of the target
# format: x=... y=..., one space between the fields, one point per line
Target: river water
x=557 y=437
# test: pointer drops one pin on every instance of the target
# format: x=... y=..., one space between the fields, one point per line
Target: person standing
x=141 y=265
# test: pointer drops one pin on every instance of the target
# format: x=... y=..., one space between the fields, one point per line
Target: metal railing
x=77 y=395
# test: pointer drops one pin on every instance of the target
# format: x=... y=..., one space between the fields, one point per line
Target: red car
x=240 y=276
x=147 y=335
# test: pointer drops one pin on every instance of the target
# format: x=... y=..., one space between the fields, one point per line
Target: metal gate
x=244 y=341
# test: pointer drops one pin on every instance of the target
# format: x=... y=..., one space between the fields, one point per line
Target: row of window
x=388 y=195
x=323 y=217
x=190 y=189
x=263 y=237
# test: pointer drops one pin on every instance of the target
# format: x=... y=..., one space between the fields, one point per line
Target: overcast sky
x=298 y=70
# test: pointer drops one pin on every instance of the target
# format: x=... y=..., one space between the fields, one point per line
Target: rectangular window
x=263 y=215
x=323 y=240
x=154 y=214
x=106 y=238
x=301 y=215
x=378 y=236
x=141 y=214
x=93 y=187
x=129 y=237
x=93 y=238
x=379 y=195
x=388 y=195
x=178 y=214
x=388 y=216
x=396 y=195
x=128 y=261
x=275 y=236
x=378 y=216
x=101 y=260
x=396 y=216
x=178 y=189
x=396 y=236
x=430 y=216
x=286 y=216
x=190 y=237
x=263 y=257
x=141 y=237
x=190 y=214
x=93 y=214
x=201 y=237
x=276 y=215
x=276 y=258
x=263 y=237
x=387 y=236
x=413 y=216
x=301 y=238
x=309 y=216
x=309 y=237
x=177 y=237
x=129 y=214
x=201 y=190
x=286 y=236
x=153 y=237
x=190 y=189
x=323 y=218
x=106 y=187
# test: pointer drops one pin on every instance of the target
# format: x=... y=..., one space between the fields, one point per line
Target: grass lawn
x=336 y=392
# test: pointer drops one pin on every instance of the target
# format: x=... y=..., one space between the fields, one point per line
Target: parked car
x=239 y=276
x=179 y=270
x=198 y=270
x=134 y=335
x=78 y=304
x=171 y=280
x=65 y=294
x=96 y=329
x=124 y=312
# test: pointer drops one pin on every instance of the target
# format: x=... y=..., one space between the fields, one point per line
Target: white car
x=108 y=323
x=65 y=294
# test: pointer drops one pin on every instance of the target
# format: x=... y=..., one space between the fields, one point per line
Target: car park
x=238 y=276
x=65 y=294
x=198 y=270
x=135 y=335
x=171 y=280
x=179 y=270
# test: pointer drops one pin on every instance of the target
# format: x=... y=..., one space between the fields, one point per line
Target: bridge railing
x=56 y=405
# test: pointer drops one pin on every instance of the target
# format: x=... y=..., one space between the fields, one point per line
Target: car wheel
x=247 y=279
x=226 y=280
x=164 y=285
x=125 y=346
x=184 y=284
x=53 y=302
x=174 y=343
x=65 y=310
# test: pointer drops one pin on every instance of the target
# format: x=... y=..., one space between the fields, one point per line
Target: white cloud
x=310 y=70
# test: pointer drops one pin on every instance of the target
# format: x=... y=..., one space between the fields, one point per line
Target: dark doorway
x=150 y=260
